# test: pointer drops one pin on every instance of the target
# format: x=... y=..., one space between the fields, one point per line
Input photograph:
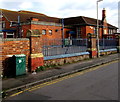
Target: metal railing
x=52 y=47
x=107 y=44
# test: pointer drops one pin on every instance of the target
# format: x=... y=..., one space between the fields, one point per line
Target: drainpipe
x=63 y=32
x=19 y=33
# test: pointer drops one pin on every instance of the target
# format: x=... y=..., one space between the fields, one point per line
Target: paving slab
x=11 y=83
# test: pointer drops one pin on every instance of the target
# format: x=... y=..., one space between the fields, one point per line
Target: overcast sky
x=66 y=8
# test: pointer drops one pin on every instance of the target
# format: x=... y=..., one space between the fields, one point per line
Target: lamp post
x=98 y=54
x=63 y=32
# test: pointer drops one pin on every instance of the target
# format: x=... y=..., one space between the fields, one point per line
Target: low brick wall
x=11 y=47
x=61 y=61
x=108 y=52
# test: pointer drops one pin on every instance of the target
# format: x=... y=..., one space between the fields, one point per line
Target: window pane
x=3 y=24
x=50 y=32
x=10 y=35
x=105 y=32
x=1 y=35
x=78 y=32
x=43 y=32
x=95 y=30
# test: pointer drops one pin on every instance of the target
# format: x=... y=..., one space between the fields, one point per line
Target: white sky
x=66 y=8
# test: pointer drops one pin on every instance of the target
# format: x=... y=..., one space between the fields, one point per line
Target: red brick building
x=22 y=23
x=81 y=26
x=19 y=24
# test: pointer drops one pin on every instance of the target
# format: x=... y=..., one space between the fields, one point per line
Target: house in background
x=22 y=23
x=81 y=26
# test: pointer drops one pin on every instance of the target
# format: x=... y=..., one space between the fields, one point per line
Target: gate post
x=118 y=43
x=92 y=46
x=36 y=56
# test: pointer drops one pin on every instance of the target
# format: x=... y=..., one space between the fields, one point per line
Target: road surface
x=99 y=83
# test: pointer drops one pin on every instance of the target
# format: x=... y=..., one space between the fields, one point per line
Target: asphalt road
x=99 y=83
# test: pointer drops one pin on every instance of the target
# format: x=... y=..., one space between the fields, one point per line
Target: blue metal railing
x=52 y=47
x=107 y=44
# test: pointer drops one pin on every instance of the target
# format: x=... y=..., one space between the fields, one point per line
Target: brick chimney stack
x=103 y=14
x=104 y=23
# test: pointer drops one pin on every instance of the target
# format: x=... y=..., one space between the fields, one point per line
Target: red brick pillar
x=36 y=56
x=118 y=43
x=92 y=45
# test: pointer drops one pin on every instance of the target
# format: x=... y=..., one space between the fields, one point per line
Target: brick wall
x=7 y=24
x=11 y=47
x=62 y=61
x=25 y=28
x=107 y=53
x=55 y=34
x=66 y=34
x=83 y=32
x=90 y=29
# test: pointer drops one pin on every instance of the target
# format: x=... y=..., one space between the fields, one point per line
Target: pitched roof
x=74 y=21
x=81 y=20
x=111 y=26
x=25 y=15
x=91 y=21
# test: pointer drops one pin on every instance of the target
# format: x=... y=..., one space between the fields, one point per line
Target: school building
x=21 y=24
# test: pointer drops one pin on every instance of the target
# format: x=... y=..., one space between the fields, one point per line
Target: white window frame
x=78 y=32
x=109 y=31
x=10 y=33
x=105 y=31
x=50 y=32
x=1 y=34
x=3 y=24
x=44 y=32
x=95 y=30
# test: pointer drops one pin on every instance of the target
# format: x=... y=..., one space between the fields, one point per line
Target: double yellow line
x=60 y=79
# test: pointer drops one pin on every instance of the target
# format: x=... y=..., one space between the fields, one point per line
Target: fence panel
x=52 y=47
x=107 y=44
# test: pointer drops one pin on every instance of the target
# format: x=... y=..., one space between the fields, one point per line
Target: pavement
x=28 y=80
x=97 y=83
